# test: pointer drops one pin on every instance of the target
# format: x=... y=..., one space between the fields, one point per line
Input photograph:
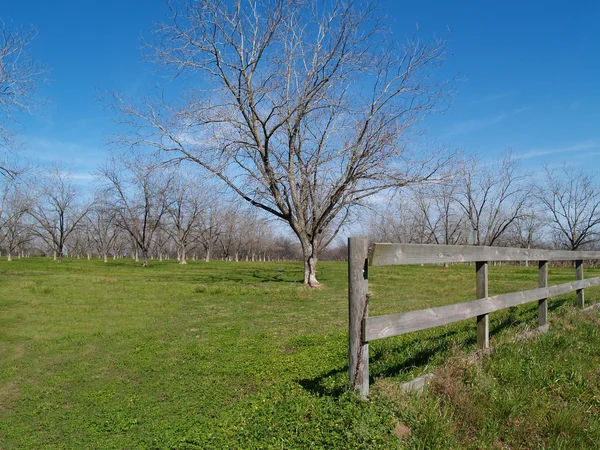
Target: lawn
x=241 y=355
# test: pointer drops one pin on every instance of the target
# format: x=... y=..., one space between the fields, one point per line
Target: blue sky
x=530 y=74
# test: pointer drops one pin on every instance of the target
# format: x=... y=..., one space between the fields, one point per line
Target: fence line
x=363 y=328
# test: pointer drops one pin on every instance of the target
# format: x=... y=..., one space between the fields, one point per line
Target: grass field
x=241 y=355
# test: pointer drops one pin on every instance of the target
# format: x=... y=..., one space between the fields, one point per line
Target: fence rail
x=392 y=254
x=363 y=328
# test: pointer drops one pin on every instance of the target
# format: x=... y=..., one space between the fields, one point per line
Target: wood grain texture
x=579 y=276
x=392 y=254
x=378 y=327
x=543 y=303
x=358 y=286
x=483 y=320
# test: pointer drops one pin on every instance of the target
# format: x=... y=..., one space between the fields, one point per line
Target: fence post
x=358 y=286
x=543 y=303
x=579 y=275
x=483 y=321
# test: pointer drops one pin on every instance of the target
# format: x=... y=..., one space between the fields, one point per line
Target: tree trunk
x=207 y=257
x=145 y=255
x=310 y=264
x=182 y=256
x=9 y=256
x=105 y=257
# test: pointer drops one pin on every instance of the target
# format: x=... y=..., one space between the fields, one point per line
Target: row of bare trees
x=143 y=209
x=138 y=208
x=496 y=203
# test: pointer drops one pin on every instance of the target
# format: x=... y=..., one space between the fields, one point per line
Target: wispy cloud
x=576 y=105
x=468 y=126
x=539 y=152
x=492 y=97
x=587 y=155
x=47 y=150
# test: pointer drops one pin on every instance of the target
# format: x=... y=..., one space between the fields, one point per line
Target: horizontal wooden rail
x=378 y=327
x=392 y=254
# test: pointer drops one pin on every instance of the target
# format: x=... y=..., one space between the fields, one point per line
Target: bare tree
x=391 y=221
x=58 y=209
x=210 y=228
x=137 y=188
x=161 y=243
x=448 y=220
x=572 y=200
x=14 y=206
x=187 y=200
x=492 y=197
x=82 y=242
x=102 y=222
x=527 y=230
x=301 y=108
x=19 y=76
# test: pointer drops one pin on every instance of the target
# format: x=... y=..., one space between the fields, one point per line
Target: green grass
x=241 y=355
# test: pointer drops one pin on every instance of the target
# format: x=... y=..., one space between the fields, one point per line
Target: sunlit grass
x=241 y=355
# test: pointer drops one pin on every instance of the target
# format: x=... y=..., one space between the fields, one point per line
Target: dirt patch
x=401 y=431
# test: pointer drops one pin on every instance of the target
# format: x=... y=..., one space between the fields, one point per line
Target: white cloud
x=538 y=152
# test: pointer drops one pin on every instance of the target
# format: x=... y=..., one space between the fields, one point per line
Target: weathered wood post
x=543 y=303
x=579 y=275
x=358 y=287
x=483 y=321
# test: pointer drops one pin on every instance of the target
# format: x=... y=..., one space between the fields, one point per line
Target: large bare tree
x=301 y=107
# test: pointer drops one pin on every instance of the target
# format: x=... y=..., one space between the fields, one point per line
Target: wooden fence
x=363 y=328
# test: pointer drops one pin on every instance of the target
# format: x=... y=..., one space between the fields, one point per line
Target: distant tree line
x=143 y=208
x=139 y=209
x=496 y=204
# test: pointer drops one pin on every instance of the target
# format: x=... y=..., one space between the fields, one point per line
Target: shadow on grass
x=317 y=385
x=327 y=384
